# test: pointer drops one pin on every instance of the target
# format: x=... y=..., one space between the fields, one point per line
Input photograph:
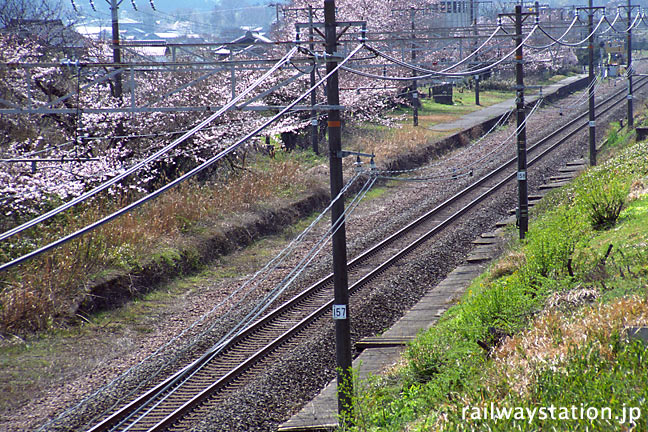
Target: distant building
x=456 y=13
x=252 y=41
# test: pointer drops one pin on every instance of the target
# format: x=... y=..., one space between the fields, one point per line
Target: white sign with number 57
x=339 y=312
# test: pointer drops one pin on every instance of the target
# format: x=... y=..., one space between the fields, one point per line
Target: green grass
x=567 y=253
x=464 y=103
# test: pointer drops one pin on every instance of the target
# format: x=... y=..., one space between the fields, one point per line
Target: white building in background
x=455 y=13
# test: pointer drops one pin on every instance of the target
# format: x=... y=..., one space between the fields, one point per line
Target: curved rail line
x=167 y=403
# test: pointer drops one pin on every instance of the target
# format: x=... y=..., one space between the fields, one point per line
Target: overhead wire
x=373 y=178
x=177 y=181
x=150 y=158
x=583 y=97
x=634 y=23
x=643 y=19
x=455 y=74
x=501 y=121
x=265 y=303
x=475 y=51
x=431 y=73
x=465 y=172
x=543 y=47
x=574 y=44
x=47 y=149
x=269 y=267
x=611 y=24
x=529 y=116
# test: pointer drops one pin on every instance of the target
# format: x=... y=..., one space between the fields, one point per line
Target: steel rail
x=226 y=379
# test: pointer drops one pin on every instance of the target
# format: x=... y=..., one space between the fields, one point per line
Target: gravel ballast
x=304 y=368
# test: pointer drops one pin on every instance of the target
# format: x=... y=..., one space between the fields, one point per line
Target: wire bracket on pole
x=527 y=87
x=332 y=57
x=344 y=153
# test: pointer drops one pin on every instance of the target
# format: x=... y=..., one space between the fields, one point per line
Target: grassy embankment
x=42 y=293
x=544 y=325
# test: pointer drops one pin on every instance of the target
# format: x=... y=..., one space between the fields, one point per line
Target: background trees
x=12 y=12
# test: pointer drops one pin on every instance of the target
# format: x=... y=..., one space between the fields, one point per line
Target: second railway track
x=165 y=406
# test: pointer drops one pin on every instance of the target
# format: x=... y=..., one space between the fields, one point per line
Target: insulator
x=358 y=164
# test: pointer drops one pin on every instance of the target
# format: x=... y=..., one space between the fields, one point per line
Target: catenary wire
x=501 y=121
x=543 y=47
x=611 y=24
x=177 y=181
x=149 y=159
x=432 y=73
x=270 y=266
x=264 y=304
x=574 y=44
x=467 y=172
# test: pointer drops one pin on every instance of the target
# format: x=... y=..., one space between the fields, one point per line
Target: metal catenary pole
x=340 y=276
x=114 y=11
x=313 y=95
x=523 y=199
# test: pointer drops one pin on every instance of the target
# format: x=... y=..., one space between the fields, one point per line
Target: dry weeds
x=553 y=336
x=638 y=189
x=47 y=290
x=401 y=140
x=507 y=265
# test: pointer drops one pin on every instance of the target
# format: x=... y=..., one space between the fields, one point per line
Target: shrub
x=552 y=242
x=613 y=137
x=603 y=196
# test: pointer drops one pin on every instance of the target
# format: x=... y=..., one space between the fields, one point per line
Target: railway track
x=222 y=368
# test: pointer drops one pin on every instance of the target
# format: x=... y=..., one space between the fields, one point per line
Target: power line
x=466 y=169
x=575 y=44
x=270 y=266
x=430 y=73
x=554 y=42
x=158 y=192
x=149 y=159
x=259 y=308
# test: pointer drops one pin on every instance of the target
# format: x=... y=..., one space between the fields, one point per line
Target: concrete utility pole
x=523 y=197
x=311 y=45
x=473 y=22
x=313 y=95
x=592 y=115
x=340 y=275
x=629 y=67
x=414 y=91
x=114 y=11
x=415 y=94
